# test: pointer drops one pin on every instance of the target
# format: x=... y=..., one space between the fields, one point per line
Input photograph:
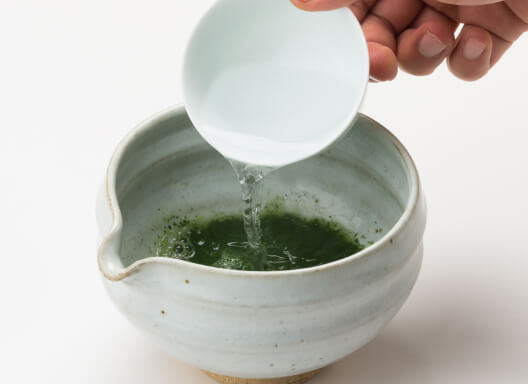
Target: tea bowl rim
x=111 y=240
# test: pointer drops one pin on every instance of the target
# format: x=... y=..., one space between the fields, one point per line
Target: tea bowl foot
x=297 y=379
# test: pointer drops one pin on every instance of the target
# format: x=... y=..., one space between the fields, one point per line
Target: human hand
x=417 y=35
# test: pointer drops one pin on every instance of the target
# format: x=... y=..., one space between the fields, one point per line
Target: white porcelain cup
x=268 y=84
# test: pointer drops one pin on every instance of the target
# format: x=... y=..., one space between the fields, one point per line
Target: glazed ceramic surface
x=259 y=324
x=303 y=74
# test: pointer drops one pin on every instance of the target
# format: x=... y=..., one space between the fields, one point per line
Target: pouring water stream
x=272 y=95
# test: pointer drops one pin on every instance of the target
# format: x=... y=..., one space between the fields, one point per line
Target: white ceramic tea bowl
x=259 y=324
x=268 y=84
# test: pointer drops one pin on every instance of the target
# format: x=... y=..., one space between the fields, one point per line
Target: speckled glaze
x=260 y=324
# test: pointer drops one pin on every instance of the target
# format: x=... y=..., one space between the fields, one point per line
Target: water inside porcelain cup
x=268 y=84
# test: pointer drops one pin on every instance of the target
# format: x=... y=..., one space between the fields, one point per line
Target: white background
x=76 y=76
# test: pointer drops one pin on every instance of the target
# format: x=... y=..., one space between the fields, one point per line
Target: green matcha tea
x=287 y=242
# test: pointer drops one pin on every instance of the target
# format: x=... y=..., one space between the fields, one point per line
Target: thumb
x=322 y=5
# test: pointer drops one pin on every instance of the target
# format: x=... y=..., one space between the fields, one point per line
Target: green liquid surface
x=289 y=242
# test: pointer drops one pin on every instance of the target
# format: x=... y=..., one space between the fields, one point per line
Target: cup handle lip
x=109 y=222
x=108 y=214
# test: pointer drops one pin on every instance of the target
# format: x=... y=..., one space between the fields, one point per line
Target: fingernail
x=372 y=79
x=473 y=49
x=430 y=45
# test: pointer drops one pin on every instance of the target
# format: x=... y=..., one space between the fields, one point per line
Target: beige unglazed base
x=297 y=379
